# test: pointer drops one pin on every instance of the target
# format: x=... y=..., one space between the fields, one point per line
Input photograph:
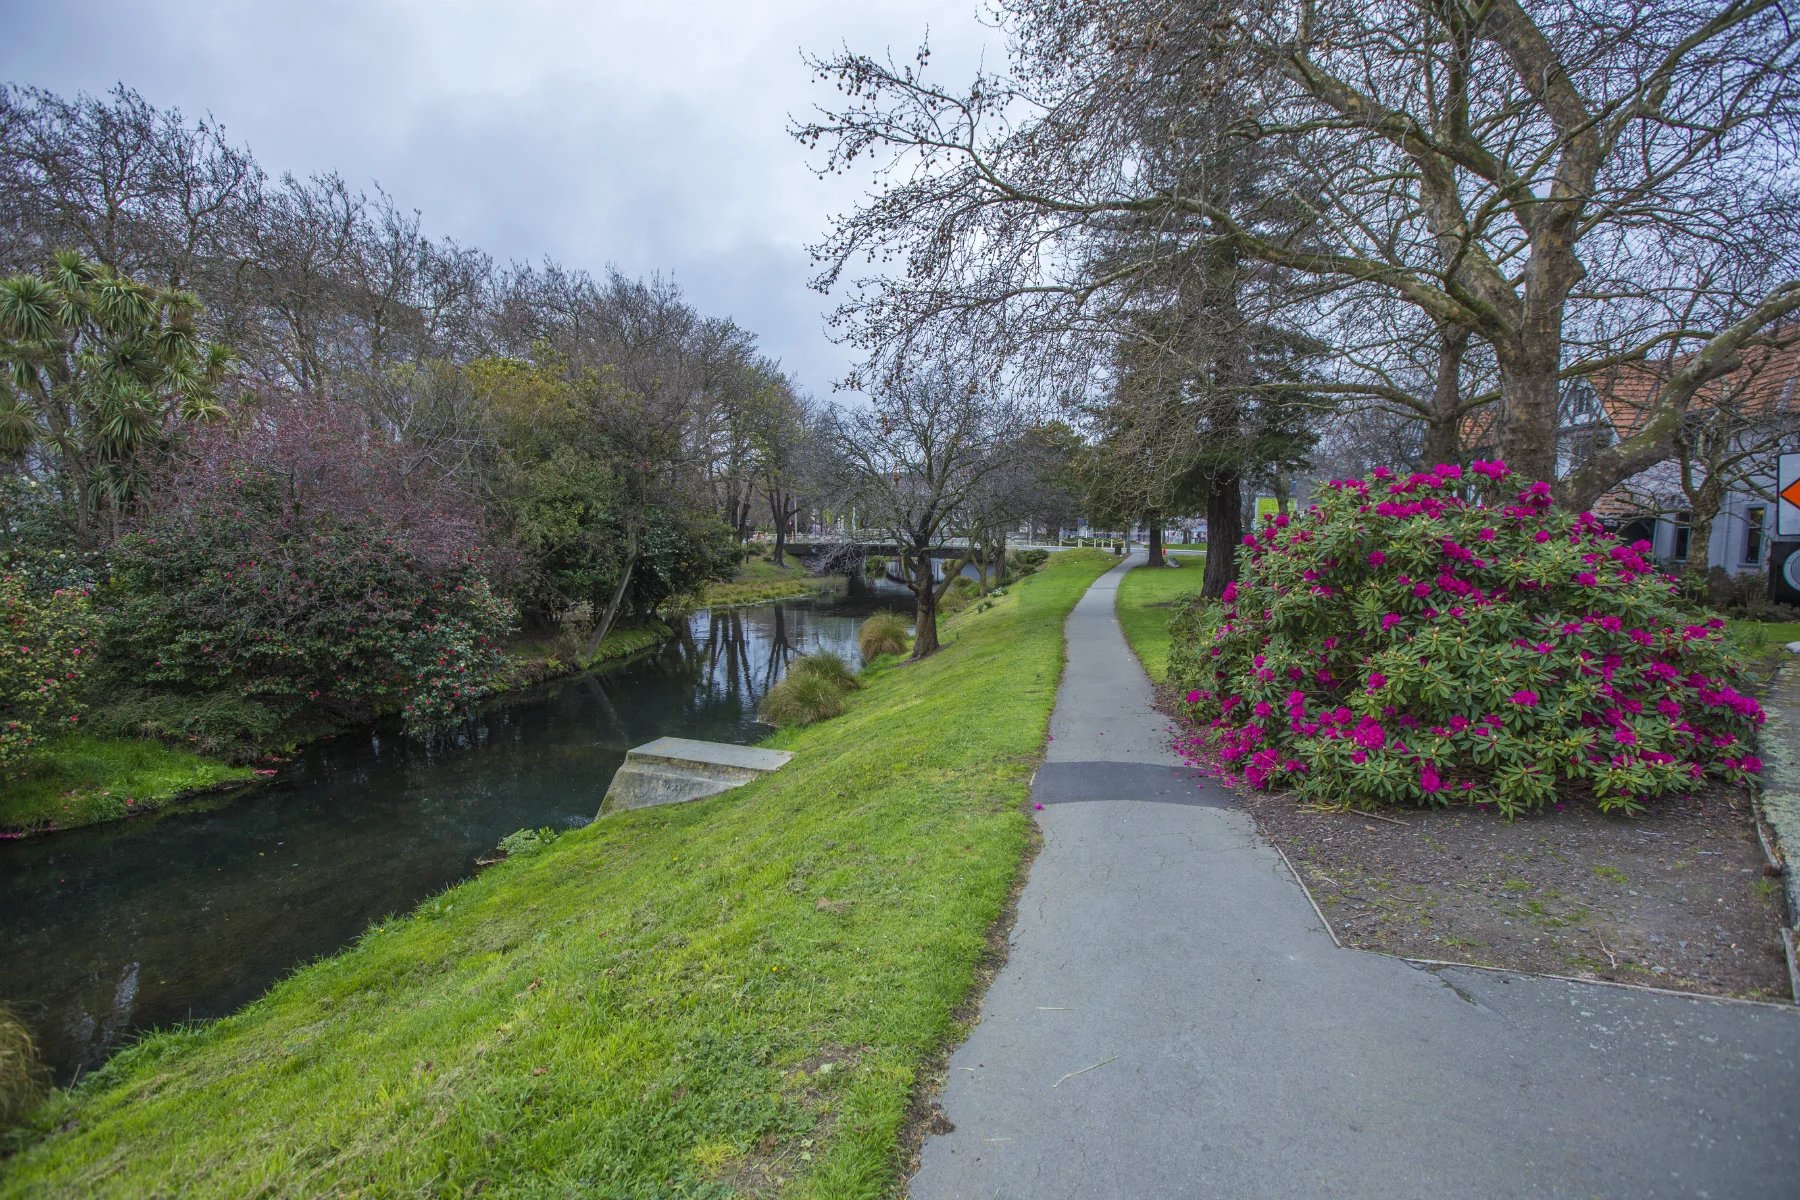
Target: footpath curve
x=1175 y=1021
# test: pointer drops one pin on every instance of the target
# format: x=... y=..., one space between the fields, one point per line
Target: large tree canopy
x=1573 y=186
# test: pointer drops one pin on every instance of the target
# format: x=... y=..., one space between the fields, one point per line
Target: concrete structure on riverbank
x=673 y=770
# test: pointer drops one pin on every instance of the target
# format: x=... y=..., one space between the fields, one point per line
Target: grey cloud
x=650 y=138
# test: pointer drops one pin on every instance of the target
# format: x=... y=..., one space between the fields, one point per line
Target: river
x=115 y=929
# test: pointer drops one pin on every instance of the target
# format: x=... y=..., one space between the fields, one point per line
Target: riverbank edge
x=742 y=595
x=82 y=810
x=757 y=1015
x=126 y=786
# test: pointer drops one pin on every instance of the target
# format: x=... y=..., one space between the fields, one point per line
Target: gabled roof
x=1767 y=382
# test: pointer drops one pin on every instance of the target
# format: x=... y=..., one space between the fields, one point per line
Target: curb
x=1775 y=802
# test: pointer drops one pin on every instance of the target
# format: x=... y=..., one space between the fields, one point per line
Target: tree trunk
x=778 y=510
x=1529 y=391
x=1153 y=519
x=925 y=596
x=612 y=610
x=1224 y=529
x=1443 y=429
x=1703 y=513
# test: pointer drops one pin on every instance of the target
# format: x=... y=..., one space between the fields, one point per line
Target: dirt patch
x=1677 y=897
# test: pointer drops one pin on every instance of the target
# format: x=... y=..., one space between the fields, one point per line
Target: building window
x=1753 y=533
x=1679 y=550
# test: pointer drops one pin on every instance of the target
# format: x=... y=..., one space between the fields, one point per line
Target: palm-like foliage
x=97 y=374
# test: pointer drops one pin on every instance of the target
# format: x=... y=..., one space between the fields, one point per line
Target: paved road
x=1174 y=1021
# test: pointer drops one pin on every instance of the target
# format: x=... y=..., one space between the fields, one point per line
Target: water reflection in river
x=111 y=930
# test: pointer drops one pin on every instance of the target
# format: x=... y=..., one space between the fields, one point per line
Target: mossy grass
x=735 y=995
x=883 y=633
x=1148 y=597
x=81 y=779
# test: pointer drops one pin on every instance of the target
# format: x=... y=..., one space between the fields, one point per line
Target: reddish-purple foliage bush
x=330 y=463
x=1400 y=642
x=299 y=564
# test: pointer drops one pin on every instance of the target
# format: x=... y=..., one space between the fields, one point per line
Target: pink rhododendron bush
x=1399 y=643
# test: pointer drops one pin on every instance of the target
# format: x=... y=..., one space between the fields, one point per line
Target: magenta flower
x=1524 y=697
x=1376 y=558
x=1428 y=779
x=1369 y=734
x=1495 y=470
x=1586 y=578
x=1390 y=620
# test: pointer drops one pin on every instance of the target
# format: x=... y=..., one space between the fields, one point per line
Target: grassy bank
x=83 y=780
x=760 y=580
x=535 y=659
x=1146 y=601
x=728 y=996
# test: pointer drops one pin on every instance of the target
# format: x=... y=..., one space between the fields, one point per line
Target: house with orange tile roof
x=1745 y=419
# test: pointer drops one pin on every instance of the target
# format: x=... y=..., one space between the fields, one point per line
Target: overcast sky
x=651 y=136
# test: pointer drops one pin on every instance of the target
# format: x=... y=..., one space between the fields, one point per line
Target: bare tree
x=1572 y=185
x=920 y=457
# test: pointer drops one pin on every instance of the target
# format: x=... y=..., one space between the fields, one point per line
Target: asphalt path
x=1174 y=1020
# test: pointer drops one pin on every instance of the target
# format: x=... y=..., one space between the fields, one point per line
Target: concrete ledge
x=675 y=770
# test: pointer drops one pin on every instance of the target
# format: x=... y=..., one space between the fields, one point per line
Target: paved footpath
x=1174 y=1021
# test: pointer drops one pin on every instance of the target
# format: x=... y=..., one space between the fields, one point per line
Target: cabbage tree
x=97 y=375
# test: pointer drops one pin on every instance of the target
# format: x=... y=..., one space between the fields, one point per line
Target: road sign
x=1787 y=487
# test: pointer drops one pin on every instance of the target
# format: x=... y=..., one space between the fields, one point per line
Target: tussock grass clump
x=23 y=1078
x=883 y=633
x=802 y=699
x=826 y=665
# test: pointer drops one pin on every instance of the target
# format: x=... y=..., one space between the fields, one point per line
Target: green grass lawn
x=82 y=780
x=730 y=996
x=1762 y=642
x=1146 y=602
